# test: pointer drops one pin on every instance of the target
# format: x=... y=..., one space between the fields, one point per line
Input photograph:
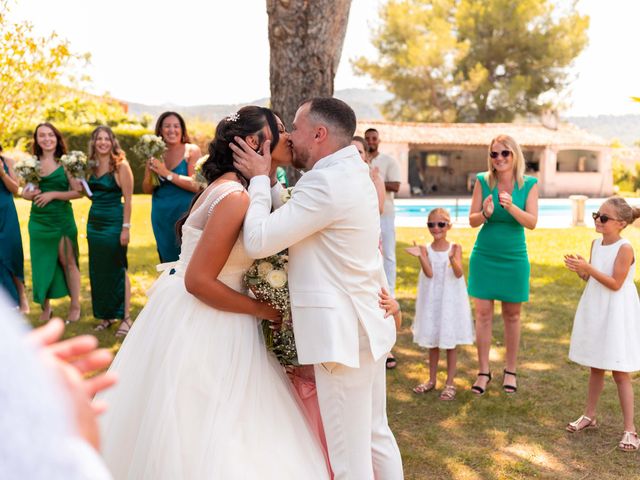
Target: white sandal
x=575 y=427
x=629 y=442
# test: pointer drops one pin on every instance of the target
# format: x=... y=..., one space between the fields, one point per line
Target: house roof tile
x=480 y=134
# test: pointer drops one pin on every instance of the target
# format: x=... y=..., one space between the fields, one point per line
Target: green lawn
x=491 y=437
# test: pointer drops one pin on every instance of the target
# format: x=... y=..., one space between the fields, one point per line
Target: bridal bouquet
x=28 y=169
x=79 y=167
x=197 y=172
x=267 y=279
x=150 y=146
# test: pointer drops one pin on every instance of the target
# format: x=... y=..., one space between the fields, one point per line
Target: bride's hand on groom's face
x=248 y=161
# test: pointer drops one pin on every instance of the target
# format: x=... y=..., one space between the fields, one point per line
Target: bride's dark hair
x=247 y=121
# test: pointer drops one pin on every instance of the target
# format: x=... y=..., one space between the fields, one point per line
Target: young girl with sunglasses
x=606 y=329
x=443 y=315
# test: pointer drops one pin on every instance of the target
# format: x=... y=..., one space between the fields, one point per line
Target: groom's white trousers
x=353 y=406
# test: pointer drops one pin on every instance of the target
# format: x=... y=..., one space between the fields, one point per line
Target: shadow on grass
x=497 y=435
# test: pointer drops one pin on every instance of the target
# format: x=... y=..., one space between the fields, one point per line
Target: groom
x=332 y=228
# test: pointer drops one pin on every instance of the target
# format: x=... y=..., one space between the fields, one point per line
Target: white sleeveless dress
x=199 y=396
x=606 y=328
x=443 y=314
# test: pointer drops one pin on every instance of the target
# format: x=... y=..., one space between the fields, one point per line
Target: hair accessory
x=233 y=117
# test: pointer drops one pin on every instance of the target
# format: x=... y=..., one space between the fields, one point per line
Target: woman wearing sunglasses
x=504 y=202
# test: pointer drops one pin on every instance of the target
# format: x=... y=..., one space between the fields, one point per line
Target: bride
x=199 y=396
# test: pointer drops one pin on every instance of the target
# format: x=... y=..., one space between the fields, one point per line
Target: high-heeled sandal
x=478 y=390
x=124 y=327
x=509 y=388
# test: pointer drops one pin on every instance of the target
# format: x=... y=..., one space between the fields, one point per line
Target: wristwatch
x=170 y=177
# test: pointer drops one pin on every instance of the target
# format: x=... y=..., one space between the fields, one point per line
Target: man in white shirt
x=392 y=176
x=330 y=225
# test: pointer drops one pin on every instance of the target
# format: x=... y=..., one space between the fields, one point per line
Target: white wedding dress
x=199 y=396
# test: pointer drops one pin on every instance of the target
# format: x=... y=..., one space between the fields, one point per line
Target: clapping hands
x=577 y=263
x=417 y=250
x=488 y=206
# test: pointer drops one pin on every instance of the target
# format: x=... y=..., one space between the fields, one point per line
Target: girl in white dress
x=199 y=396
x=443 y=315
x=606 y=329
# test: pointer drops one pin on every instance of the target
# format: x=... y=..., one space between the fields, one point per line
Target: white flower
x=285 y=195
x=264 y=268
x=277 y=278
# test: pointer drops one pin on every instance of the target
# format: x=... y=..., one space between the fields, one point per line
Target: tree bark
x=306 y=38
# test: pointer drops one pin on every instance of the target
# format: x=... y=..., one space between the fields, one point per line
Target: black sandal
x=124 y=328
x=509 y=388
x=103 y=325
x=479 y=390
x=391 y=362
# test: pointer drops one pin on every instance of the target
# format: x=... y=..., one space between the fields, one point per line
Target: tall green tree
x=474 y=60
x=29 y=66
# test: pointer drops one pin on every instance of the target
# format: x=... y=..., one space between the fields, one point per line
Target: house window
x=577 y=161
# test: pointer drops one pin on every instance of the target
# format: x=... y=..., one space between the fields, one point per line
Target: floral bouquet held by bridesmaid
x=79 y=167
x=151 y=146
x=28 y=170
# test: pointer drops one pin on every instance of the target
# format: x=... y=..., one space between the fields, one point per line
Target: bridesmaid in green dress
x=504 y=202
x=108 y=231
x=11 y=255
x=173 y=197
x=53 y=235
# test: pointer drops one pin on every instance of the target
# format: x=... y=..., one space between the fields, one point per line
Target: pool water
x=552 y=213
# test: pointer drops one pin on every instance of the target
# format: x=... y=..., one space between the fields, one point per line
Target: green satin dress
x=107 y=258
x=47 y=226
x=499 y=264
x=168 y=204
x=11 y=255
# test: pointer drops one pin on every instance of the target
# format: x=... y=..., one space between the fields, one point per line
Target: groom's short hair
x=335 y=113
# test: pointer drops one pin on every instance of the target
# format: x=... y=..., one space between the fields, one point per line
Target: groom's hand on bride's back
x=248 y=161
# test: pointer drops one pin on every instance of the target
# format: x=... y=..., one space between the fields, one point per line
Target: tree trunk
x=306 y=38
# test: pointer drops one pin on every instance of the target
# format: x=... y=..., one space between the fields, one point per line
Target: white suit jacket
x=331 y=225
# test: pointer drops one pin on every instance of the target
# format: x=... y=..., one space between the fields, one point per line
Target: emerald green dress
x=107 y=258
x=499 y=265
x=47 y=226
x=168 y=204
x=11 y=255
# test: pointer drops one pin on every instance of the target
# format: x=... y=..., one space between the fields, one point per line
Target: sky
x=195 y=52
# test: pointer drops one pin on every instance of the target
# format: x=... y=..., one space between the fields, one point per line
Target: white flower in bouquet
x=197 y=172
x=150 y=146
x=76 y=164
x=267 y=279
x=264 y=268
x=277 y=278
x=28 y=169
x=79 y=167
x=285 y=195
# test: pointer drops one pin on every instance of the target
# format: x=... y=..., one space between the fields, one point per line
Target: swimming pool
x=553 y=213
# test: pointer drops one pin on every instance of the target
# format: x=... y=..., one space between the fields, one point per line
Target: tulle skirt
x=199 y=397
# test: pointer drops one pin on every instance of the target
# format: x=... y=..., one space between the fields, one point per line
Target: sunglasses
x=438 y=224
x=504 y=153
x=603 y=217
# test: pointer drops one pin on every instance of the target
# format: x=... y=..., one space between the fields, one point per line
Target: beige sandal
x=630 y=442
x=581 y=423
x=424 y=387
x=449 y=393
